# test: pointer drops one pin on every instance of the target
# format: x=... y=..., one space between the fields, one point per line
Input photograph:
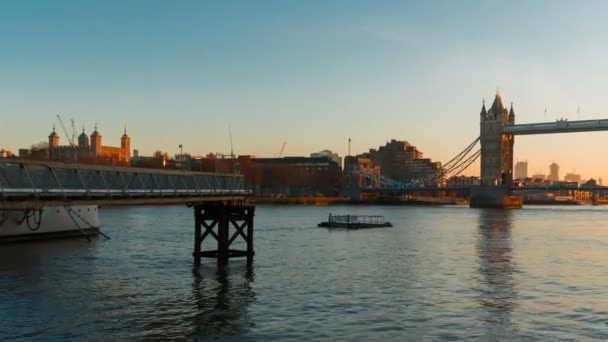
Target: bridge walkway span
x=24 y=183
x=560 y=126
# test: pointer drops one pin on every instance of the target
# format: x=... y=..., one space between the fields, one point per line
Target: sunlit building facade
x=521 y=170
x=553 y=172
x=573 y=177
x=402 y=161
x=6 y=153
x=87 y=150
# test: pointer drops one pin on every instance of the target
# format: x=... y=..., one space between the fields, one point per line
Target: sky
x=308 y=73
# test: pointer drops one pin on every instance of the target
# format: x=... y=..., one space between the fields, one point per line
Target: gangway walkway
x=25 y=182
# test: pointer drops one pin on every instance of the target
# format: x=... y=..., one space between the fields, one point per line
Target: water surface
x=441 y=273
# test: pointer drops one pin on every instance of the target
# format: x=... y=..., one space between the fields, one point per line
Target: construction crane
x=72 y=136
x=235 y=163
x=280 y=154
x=230 y=137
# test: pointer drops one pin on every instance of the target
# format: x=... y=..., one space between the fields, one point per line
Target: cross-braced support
x=215 y=219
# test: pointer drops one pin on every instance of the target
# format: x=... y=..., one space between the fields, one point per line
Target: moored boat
x=48 y=222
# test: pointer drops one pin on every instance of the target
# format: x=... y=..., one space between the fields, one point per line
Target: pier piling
x=215 y=219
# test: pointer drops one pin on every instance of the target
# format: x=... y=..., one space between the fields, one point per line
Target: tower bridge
x=497 y=139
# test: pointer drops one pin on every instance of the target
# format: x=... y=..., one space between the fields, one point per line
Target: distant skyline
x=310 y=73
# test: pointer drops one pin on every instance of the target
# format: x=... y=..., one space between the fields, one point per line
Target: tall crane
x=280 y=154
x=72 y=136
x=235 y=163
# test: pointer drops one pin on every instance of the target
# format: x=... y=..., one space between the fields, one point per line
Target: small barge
x=355 y=221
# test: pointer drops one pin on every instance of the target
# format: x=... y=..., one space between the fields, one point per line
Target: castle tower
x=96 y=142
x=125 y=146
x=83 y=139
x=496 y=147
x=53 y=140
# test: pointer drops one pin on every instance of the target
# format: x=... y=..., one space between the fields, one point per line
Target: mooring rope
x=71 y=211
x=68 y=210
x=37 y=222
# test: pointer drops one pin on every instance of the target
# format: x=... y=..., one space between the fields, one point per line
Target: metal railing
x=359 y=219
x=21 y=179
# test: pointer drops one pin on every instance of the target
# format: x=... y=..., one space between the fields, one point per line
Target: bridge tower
x=496 y=147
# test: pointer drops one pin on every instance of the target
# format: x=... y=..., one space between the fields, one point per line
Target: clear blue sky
x=311 y=73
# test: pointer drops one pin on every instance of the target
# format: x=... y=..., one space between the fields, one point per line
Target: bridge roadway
x=561 y=126
x=547 y=188
x=29 y=184
x=544 y=188
x=412 y=189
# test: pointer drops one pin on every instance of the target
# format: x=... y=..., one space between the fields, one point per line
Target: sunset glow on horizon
x=308 y=74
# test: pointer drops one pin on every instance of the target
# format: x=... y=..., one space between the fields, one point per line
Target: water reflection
x=497 y=289
x=221 y=300
x=27 y=257
x=32 y=299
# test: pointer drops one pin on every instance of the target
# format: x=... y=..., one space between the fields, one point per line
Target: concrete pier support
x=487 y=196
x=215 y=219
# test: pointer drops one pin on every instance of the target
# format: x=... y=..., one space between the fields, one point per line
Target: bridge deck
x=26 y=182
x=557 y=127
x=415 y=189
x=530 y=188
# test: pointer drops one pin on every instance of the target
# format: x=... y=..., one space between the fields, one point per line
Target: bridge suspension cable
x=453 y=167
x=467 y=162
x=461 y=155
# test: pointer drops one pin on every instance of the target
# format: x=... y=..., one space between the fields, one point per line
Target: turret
x=511 y=115
x=83 y=139
x=484 y=114
x=125 y=145
x=96 y=140
x=53 y=139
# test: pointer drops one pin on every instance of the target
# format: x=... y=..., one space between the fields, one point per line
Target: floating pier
x=215 y=219
x=355 y=221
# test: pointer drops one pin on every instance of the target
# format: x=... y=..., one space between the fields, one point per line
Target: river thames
x=441 y=273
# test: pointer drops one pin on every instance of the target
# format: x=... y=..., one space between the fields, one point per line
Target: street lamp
x=181 y=156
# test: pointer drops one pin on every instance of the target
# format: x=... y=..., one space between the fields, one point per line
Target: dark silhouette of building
x=279 y=177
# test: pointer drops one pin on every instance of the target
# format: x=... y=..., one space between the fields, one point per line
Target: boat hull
x=50 y=222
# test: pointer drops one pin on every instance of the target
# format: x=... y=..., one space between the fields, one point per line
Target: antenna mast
x=348 y=146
